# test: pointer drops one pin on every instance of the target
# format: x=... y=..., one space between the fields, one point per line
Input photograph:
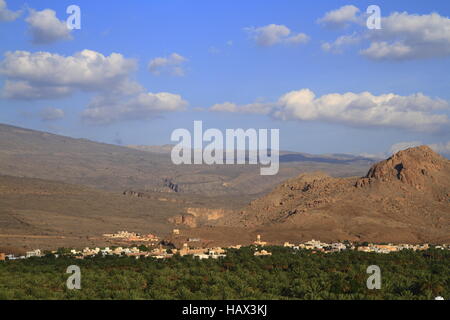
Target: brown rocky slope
x=405 y=198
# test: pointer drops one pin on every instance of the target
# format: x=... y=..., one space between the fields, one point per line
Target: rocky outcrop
x=405 y=197
x=132 y=193
x=187 y=220
x=207 y=213
x=416 y=167
x=199 y=217
x=172 y=186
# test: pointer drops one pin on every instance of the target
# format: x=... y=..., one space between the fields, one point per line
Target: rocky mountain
x=35 y=154
x=56 y=186
x=404 y=198
x=62 y=191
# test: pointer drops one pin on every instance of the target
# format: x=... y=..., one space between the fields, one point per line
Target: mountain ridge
x=35 y=154
x=403 y=198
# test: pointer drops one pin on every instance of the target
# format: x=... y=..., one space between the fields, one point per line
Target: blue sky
x=224 y=56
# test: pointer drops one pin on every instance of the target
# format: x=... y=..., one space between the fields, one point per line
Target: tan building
x=262 y=253
x=258 y=241
x=387 y=248
x=2 y=257
x=185 y=250
x=288 y=245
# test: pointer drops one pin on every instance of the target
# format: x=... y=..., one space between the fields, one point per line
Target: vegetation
x=287 y=274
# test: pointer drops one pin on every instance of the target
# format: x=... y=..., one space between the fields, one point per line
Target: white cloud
x=171 y=65
x=384 y=50
x=107 y=109
x=297 y=39
x=43 y=75
x=51 y=114
x=406 y=36
x=442 y=148
x=365 y=109
x=273 y=34
x=340 y=42
x=46 y=28
x=47 y=75
x=373 y=156
x=403 y=146
x=414 y=112
x=7 y=15
x=403 y=37
x=23 y=90
x=340 y=18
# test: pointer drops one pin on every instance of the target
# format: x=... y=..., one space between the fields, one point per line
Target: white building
x=34 y=253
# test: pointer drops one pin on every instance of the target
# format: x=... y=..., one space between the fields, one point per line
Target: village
x=158 y=249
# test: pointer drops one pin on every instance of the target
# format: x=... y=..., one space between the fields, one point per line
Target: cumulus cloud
x=415 y=112
x=365 y=109
x=406 y=36
x=106 y=109
x=46 y=28
x=340 y=18
x=44 y=75
x=273 y=34
x=171 y=65
x=47 y=75
x=51 y=114
x=403 y=36
x=338 y=45
x=7 y=15
x=23 y=90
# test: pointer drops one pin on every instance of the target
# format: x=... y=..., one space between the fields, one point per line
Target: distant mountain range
x=35 y=154
x=285 y=156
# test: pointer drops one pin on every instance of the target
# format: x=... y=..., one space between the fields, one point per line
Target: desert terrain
x=58 y=191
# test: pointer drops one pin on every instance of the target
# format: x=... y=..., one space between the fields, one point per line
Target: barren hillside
x=36 y=213
x=35 y=154
x=404 y=198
